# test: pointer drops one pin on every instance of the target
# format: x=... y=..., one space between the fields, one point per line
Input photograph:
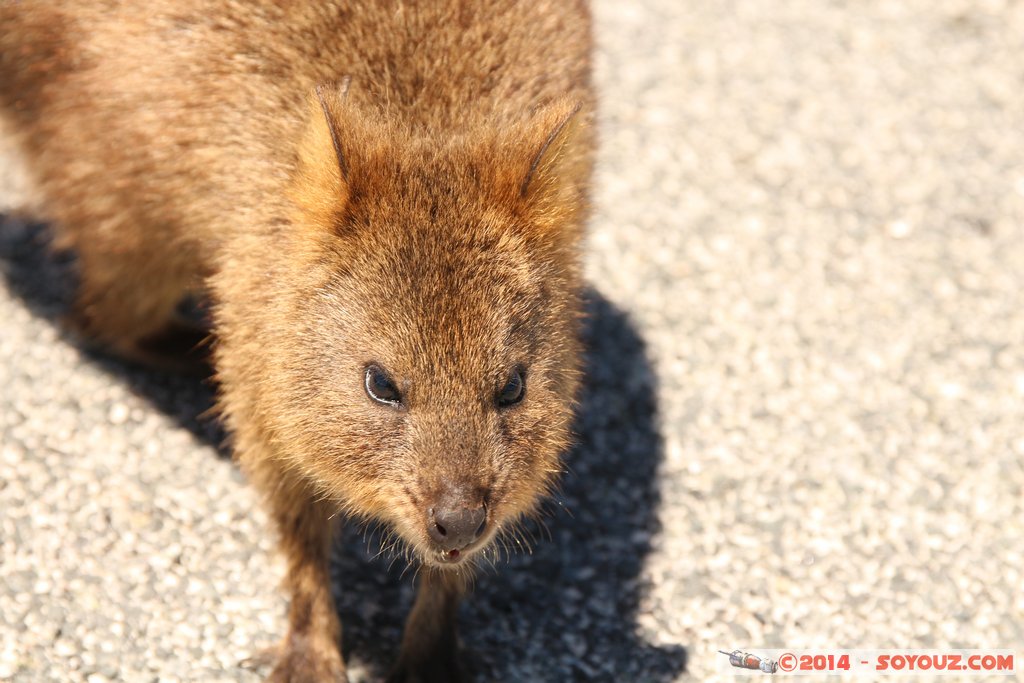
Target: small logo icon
x=745 y=660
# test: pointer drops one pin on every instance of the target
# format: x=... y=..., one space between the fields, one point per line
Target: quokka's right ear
x=322 y=184
x=322 y=92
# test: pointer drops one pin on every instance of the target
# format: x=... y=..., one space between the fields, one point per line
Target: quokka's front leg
x=311 y=652
x=429 y=651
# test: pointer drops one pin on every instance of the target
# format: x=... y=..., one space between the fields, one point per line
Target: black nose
x=453 y=528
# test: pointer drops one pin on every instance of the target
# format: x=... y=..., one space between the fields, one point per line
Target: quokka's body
x=383 y=202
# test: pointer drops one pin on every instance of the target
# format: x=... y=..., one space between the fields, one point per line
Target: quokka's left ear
x=561 y=120
x=553 y=146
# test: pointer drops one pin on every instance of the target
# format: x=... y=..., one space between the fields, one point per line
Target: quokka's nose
x=455 y=527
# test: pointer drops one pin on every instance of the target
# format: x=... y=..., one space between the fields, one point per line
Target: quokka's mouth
x=453 y=556
x=447 y=559
x=457 y=557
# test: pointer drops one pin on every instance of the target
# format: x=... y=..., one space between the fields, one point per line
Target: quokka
x=383 y=202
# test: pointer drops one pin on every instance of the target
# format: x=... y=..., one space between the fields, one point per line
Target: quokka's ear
x=322 y=93
x=556 y=153
x=560 y=120
x=321 y=187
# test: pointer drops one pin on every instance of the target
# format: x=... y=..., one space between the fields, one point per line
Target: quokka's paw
x=308 y=663
x=439 y=668
x=179 y=347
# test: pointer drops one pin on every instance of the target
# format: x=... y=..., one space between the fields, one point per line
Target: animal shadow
x=563 y=609
x=45 y=280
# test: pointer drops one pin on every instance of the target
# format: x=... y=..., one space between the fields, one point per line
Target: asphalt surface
x=804 y=423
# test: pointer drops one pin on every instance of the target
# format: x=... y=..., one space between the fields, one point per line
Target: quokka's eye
x=380 y=387
x=514 y=389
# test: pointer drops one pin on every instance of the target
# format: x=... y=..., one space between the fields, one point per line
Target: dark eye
x=513 y=390
x=380 y=387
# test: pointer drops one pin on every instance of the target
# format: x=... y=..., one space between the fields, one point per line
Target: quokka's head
x=435 y=311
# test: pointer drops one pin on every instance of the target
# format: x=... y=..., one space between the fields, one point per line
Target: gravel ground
x=804 y=424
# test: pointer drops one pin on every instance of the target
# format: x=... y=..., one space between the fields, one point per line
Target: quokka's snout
x=456 y=520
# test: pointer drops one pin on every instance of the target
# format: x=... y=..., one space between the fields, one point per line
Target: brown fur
x=420 y=209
